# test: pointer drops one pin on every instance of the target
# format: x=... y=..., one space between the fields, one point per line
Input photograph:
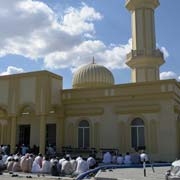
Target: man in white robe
x=46 y=166
x=66 y=167
x=82 y=166
x=91 y=162
x=120 y=159
x=39 y=159
x=36 y=167
x=2 y=166
x=24 y=163
x=61 y=160
x=73 y=164
x=16 y=165
x=135 y=157
x=107 y=158
x=127 y=159
x=144 y=157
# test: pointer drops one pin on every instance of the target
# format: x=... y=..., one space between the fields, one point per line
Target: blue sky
x=61 y=35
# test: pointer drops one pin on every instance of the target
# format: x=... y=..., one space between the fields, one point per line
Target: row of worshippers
x=23 y=149
x=127 y=159
x=54 y=166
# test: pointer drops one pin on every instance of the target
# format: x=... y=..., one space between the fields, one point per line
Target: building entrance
x=51 y=134
x=24 y=134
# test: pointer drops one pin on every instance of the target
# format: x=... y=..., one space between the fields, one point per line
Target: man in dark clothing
x=54 y=169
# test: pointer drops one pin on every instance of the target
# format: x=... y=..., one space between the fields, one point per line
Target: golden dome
x=92 y=75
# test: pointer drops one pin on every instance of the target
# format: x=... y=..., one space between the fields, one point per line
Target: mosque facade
x=35 y=109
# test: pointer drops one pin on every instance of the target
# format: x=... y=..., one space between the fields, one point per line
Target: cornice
x=154 y=108
x=84 y=111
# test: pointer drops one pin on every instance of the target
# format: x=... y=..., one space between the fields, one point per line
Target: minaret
x=144 y=59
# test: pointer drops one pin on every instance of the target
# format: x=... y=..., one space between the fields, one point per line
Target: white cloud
x=12 y=70
x=32 y=29
x=112 y=57
x=169 y=75
x=77 y=21
x=165 y=52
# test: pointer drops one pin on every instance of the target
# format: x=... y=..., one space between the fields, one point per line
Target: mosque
x=35 y=109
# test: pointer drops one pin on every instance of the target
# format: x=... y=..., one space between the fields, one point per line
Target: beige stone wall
x=27 y=90
x=26 y=98
x=119 y=105
x=4 y=91
x=56 y=86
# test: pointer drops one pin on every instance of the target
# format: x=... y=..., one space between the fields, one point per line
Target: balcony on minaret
x=149 y=53
x=147 y=56
x=134 y=4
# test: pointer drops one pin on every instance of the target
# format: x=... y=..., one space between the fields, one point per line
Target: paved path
x=23 y=176
x=115 y=174
x=132 y=174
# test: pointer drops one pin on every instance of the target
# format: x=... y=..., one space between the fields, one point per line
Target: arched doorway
x=24 y=124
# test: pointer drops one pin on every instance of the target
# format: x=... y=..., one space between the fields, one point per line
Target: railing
x=153 y=53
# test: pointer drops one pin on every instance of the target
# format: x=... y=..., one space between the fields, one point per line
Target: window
x=137 y=133
x=51 y=134
x=83 y=134
x=24 y=134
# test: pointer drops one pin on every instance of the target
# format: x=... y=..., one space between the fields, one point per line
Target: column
x=127 y=131
x=42 y=134
x=122 y=137
x=2 y=133
x=60 y=133
x=96 y=135
x=13 y=133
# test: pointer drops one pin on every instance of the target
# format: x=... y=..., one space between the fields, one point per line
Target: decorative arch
x=26 y=110
x=53 y=109
x=3 y=112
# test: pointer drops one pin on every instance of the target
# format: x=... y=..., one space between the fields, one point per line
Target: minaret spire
x=144 y=59
x=93 y=62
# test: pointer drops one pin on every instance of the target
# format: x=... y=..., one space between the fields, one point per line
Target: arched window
x=83 y=134
x=137 y=133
